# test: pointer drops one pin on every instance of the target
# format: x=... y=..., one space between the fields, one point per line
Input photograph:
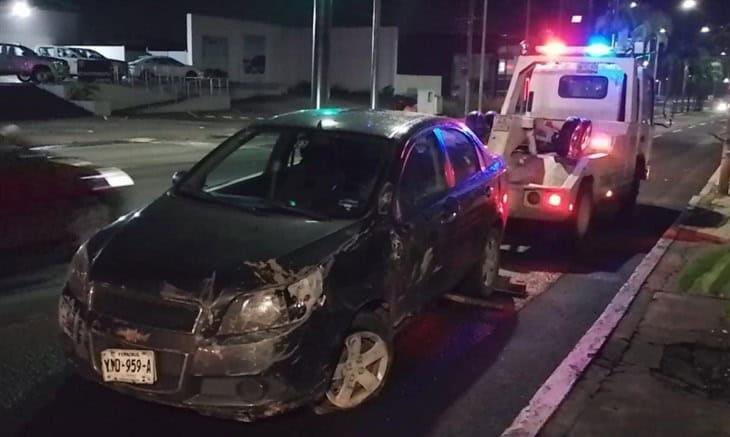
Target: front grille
x=139 y=309
x=170 y=365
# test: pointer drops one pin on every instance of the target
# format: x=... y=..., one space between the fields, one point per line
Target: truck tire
x=580 y=223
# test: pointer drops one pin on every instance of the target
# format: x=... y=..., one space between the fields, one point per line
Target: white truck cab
x=576 y=132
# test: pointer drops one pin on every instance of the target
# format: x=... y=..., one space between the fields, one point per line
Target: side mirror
x=385 y=200
x=178 y=176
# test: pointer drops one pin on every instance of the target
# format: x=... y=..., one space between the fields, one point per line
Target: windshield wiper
x=278 y=206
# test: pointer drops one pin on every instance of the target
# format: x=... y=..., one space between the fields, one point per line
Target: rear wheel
x=580 y=223
x=481 y=280
x=364 y=363
x=24 y=78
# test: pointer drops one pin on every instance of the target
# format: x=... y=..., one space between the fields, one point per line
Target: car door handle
x=451 y=211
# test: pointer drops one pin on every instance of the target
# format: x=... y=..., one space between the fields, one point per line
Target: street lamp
x=633 y=5
x=723 y=53
x=663 y=30
x=726 y=80
x=687 y=5
x=20 y=9
x=705 y=29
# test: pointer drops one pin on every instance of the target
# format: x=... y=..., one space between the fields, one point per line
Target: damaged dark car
x=273 y=273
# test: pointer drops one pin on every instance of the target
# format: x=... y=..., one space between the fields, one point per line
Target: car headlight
x=78 y=278
x=273 y=308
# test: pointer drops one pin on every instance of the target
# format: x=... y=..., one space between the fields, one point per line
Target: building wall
x=40 y=28
x=287 y=52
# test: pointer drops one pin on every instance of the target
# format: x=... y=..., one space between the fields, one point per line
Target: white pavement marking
x=677 y=131
x=555 y=389
x=658 y=136
x=703 y=124
x=228 y=117
x=210 y=116
x=140 y=140
x=243 y=118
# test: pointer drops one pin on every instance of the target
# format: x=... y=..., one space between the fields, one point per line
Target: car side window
x=423 y=179
x=461 y=152
x=44 y=51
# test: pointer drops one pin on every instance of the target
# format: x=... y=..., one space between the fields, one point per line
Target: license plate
x=130 y=366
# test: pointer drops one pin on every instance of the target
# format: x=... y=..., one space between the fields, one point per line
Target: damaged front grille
x=139 y=309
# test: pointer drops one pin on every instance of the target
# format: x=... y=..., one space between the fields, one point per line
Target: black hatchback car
x=273 y=273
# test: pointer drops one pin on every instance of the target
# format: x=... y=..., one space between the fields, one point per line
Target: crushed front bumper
x=241 y=381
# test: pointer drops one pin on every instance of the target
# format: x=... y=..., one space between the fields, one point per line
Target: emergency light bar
x=558 y=48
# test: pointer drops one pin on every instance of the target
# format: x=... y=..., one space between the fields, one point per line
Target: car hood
x=186 y=247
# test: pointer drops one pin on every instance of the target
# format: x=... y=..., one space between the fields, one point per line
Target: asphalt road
x=459 y=371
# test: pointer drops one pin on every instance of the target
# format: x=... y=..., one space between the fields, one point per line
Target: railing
x=181 y=87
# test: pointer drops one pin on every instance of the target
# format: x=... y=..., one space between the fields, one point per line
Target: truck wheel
x=25 y=78
x=364 y=363
x=580 y=224
x=481 y=279
x=42 y=75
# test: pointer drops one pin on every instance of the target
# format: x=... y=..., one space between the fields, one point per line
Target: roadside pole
x=469 y=50
x=528 y=14
x=374 y=50
x=321 y=25
x=724 y=178
x=481 y=61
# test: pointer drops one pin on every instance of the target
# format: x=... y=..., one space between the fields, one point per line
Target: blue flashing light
x=598 y=49
x=329 y=111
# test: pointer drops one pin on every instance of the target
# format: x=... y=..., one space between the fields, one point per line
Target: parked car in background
x=29 y=66
x=148 y=67
x=80 y=66
x=120 y=69
x=273 y=274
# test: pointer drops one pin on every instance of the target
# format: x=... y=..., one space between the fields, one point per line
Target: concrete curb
x=549 y=397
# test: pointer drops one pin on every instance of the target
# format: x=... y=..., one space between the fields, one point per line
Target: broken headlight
x=78 y=278
x=273 y=308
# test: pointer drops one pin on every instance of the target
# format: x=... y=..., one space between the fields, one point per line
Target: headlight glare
x=273 y=308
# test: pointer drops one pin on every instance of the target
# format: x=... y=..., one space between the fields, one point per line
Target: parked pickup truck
x=80 y=66
x=29 y=66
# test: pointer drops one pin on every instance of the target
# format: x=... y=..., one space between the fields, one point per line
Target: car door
x=473 y=190
x=424 y=215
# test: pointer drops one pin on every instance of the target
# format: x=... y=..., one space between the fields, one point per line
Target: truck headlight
x=273 y=308
x=78 y=278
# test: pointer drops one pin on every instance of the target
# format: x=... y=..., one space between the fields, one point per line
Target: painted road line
x=677 y=131
x=658 y=136
x=556 y=388
x=210 y=116
x=141 y=140
x=703 y=124
x=243 y=118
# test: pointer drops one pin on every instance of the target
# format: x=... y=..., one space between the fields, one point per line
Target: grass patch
x=709 y=274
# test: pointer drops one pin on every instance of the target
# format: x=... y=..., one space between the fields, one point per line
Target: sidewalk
x=665 y=370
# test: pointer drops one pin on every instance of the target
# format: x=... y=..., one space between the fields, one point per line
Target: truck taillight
x=601 y=144
x=555 y=200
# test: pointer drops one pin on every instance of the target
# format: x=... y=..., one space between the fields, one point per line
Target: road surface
x=460 y=371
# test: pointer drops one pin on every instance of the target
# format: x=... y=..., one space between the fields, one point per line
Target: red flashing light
x=601 y=143
x=505 y=198
x=553 y=48
x=555 y=199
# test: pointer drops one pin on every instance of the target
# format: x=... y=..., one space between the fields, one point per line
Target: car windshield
x=293 y=171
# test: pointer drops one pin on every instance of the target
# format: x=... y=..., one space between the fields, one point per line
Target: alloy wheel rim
x=360 y=371
x=490 y=268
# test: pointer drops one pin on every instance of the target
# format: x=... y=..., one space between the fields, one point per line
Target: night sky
x=162 y=22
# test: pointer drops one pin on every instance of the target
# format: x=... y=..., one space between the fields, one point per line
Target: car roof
x=382 y=123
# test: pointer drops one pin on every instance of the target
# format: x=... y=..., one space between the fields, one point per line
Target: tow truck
x=576 y=131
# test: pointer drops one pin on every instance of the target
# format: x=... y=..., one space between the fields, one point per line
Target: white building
x=256 y=52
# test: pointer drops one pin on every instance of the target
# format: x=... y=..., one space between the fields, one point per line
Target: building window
x=254 y=54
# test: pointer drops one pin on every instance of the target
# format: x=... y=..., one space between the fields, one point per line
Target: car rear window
x=583 y=87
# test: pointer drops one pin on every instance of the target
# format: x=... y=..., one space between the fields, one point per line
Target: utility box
x=429 y=102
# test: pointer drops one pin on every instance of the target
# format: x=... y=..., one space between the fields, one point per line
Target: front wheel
x=580 y=224
x=25 y=78
x=42 y=75
x=364 y=364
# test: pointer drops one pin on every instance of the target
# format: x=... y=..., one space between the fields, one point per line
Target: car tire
x=42 y=75
x=481 y=280
x=25 y=78
x=354 y=380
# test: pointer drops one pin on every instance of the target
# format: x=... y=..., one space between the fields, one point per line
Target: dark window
x=423 y=178
x=583 y=87
x=461 y=153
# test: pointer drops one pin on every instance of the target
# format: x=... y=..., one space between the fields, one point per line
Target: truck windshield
x=583 y=87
